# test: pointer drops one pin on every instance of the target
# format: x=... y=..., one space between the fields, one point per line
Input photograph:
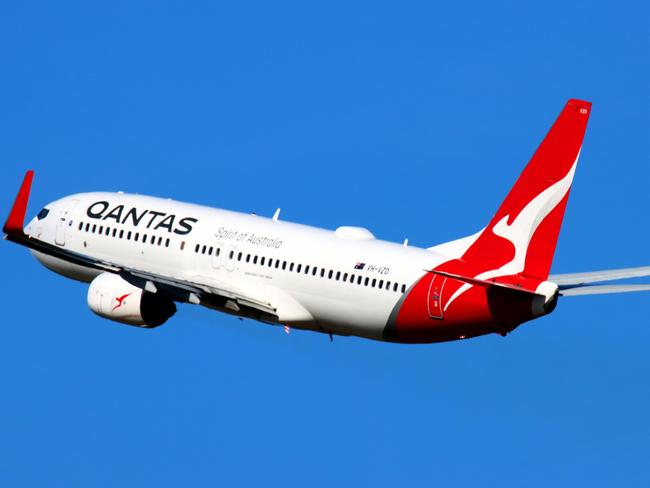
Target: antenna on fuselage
x=276 y=215
x=406 y=242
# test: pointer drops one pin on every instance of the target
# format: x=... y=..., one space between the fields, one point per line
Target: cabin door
x=64 y=222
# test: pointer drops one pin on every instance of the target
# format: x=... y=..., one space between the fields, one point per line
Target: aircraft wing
x=200 y=290
x=203 y=290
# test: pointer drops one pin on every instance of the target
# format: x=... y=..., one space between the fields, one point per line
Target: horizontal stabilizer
x=573 y=279
x=602 y=289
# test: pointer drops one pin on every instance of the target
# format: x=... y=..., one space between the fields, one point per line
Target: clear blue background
x=412 y=119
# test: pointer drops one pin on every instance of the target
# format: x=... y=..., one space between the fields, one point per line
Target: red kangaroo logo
x=120 y=300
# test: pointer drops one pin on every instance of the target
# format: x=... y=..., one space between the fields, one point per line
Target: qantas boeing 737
x=142 y=254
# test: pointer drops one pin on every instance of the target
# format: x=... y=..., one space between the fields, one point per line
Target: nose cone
x=53 y=218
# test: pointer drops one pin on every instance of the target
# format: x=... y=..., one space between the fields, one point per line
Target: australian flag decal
x=359 y=265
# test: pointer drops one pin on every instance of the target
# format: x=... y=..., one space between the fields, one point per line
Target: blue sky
x=412 y=119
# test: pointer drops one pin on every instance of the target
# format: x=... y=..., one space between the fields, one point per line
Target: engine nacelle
x=113 y=298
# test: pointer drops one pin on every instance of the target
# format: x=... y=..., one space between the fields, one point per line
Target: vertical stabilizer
x=522 y=235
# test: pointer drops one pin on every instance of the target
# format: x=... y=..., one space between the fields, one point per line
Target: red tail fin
x=522 y=235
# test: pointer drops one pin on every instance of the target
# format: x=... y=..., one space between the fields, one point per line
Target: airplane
x=141 y=255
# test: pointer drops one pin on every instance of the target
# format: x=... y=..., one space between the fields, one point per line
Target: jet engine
x=113 y=298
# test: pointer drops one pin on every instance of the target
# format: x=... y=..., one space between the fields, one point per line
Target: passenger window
x=366 y=281
x=167 y=244
x=329 y=275
x=153 y=239
x=248 y=258
x=345 y=277
x=203 y=249
x=374 y=282
x=351 y=278
x=403 y=288
x=388 y=285
x=255 y=260
x=81 y=224
x=182 y=244
x=394 y=286
x=121 y=233
x=114 y=232
x=87 y=227
x=262 y=261
x=160 y=241
x=94 y=228
x=239 y=255
x=307 y=269
x=338 y=275
x=359 y=280
x=381 y=283
x=210 y=249
x=291 y=267
x=284 y=265
x=322 y=272
x=101 y=229
x=136 y=237
x=108 y=230
x=218 y=251
x=299 y=268
x=196 y=248
x=277 y=263
x=231 y=254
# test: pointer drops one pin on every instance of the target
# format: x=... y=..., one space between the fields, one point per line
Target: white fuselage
x=357 y=282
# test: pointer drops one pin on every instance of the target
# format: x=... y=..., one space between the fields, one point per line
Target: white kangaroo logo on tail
x=523 y=228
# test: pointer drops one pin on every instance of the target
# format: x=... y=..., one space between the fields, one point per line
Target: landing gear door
x=435 y=296
x=64 y=222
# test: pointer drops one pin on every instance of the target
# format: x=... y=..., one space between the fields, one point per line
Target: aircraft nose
x=36 y=226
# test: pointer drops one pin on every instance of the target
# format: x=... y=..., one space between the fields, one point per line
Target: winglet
x=16 y=219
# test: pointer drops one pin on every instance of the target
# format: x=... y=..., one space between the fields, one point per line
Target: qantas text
x=150 y=219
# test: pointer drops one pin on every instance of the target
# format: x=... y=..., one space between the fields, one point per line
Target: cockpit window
x=43 y=213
